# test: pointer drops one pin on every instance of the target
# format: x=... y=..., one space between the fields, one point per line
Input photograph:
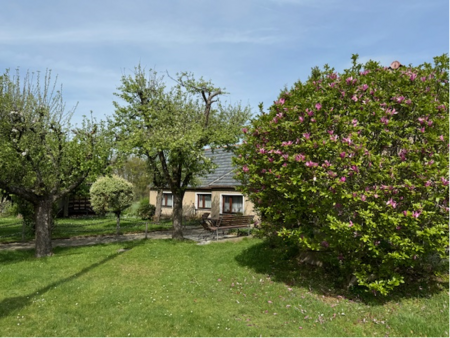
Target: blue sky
x=253 y=48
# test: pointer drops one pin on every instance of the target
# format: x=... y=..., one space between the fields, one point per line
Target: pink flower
x=349 y=80
x=405 y=213
x=416 y=214
x=392 y=202
x=281 y=101
x=262 y=151
x=307 y=135
x=301 y=118
x=318 y=106
x=270 y=159
x=384 y=120
x=363 y=198
x=364 y=87
x=331 y=132
x=350 y=224
x=309 y=112
x=413 y=77
x=427 y=183
x=354 y=98
x=299 y=157
x=441 y=138
x=444 y=181
x=245 y=169
x=244 y=130
x=342 y=179
x=333 y=138
x=355 y=122
x=311 y=164
x=342 y=155
x=285 y=164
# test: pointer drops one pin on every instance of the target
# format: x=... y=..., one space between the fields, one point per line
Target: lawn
x=11 y=227
x=167 y=288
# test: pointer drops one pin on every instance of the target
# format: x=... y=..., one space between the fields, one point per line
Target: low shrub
x=146 y=210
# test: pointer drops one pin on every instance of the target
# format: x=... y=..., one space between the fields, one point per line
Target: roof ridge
x=217 y=179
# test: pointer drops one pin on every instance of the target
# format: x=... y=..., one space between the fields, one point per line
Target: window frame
x=197 y=201
x=164 y=200
x=222 y=203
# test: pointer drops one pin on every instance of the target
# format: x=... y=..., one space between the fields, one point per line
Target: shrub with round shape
x=355 y=166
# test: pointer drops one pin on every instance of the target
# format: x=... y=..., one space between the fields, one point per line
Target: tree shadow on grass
x=11 y=305
x=285 y=268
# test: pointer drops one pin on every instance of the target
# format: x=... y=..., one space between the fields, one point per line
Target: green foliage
x=146 y=210
x=111 y=194
x=137 y=171
x=355 y=166
x=171 y=127
x=42 y=157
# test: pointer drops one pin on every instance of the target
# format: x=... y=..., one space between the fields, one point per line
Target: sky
x=252 y=48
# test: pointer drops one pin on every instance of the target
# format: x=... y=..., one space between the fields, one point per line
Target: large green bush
x=355 y=166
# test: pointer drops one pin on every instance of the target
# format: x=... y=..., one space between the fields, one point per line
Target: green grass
x=11 y=227
x=169 y=288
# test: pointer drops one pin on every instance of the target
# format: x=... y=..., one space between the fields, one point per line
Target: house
x=215 y=194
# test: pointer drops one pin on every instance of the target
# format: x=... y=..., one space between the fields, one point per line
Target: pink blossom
x=342 y=155
x=333 y=138
x=423 y=78
x=313 y=120
x=311 y=164
x=318 y=106
x=285 y=164
x=301 y=118
x=354 y=98
x=384 y=120
x=330 y=132
x=349 y=80
x=342 y=179
x=262 y=151
x=245 y=169
x=270 y=159
x=444 y=181
x=413 y=77
x=400 y=99
x=299 y=157
x=416 y=214
x=355 y=122
x=307 y=135
x=364 y=87
x=441 y=137
x=422 y=130
x=363 y=198
x=326 y=164
x=281 y=101
x=244 y=130
x=350 y=224
x=405 y=213
x=309 y=112
x=392 y=202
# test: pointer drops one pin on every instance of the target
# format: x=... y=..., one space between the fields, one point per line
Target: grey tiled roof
x=223 y=175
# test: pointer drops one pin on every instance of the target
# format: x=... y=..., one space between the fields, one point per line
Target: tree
x=42 y=158
x=172 y=126
x=111 y=194
x=135 y=170
x=354 y=166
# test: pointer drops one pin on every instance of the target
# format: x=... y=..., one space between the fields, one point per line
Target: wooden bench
x=226 y=222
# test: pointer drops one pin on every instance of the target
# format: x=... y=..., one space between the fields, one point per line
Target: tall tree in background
x=135 y=170
x=43 y=158
x=172 y=126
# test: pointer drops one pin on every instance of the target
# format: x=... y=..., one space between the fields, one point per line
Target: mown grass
x=168 y=288
x=11 y=227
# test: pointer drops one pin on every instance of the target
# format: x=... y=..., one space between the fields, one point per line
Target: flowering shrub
x=355 y=166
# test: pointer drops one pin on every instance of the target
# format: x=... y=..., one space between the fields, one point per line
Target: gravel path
x=196 y=234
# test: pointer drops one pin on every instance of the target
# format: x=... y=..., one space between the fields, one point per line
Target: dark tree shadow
x=12 y=304
x=285 y=267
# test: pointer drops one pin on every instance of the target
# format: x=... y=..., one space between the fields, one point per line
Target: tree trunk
x=177 y=216
x=158 y=210
x=117 y=224
x=44 y=224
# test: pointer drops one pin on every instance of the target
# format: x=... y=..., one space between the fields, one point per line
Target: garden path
x=195 y=234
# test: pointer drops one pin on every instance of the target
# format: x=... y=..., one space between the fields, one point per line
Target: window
x=232 y=204
x=204 y=201
x=167 y=200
